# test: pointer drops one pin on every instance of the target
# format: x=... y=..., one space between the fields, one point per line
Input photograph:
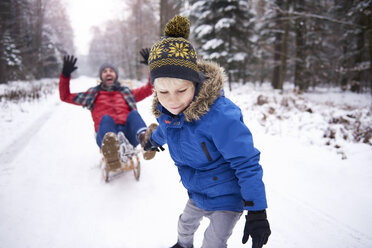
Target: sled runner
x=128 y=158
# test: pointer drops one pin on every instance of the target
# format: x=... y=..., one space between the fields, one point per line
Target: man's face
x=108 y=76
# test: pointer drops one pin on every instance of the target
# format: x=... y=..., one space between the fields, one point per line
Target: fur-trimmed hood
x=209 y=91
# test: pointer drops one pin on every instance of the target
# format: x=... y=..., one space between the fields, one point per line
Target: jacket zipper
x=204 y=146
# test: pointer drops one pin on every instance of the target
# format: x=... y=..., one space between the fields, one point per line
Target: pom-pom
x=178 y=26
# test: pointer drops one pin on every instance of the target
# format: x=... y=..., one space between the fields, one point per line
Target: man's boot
x=110 y=150
x=143 y=137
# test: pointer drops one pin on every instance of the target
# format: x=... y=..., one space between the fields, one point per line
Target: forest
x=301 y=42
x=299 y=71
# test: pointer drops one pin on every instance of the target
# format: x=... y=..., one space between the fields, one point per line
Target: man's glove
x=68 y=65
x=256 y=226
x=145 y=53
x=150 y=147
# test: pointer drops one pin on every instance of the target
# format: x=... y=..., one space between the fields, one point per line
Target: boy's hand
x=256 y=226
x=68 y=65
x=145 y=53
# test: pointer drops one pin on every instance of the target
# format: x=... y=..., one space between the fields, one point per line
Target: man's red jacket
x=107 y=102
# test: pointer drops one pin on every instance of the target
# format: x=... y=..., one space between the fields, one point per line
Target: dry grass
x=26 y=91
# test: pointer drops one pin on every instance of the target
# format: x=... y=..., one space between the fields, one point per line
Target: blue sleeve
x=234 y=141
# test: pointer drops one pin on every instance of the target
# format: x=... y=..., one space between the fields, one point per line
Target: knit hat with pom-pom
x=173 y=55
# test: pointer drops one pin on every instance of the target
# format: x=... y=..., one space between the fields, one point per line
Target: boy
x=208 y=141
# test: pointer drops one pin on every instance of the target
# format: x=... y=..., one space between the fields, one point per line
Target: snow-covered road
x=52 y=193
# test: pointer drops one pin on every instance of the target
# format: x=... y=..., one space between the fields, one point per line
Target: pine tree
x=271 y=32
x=12 y=39
x=222 y=32
x=32 y=38
x=269 y=36
x=355 y=39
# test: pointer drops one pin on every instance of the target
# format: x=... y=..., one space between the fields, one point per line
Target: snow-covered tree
x=355 y=41
x=142 y=27
x=34 y=33
x=119 y=41
x=315 y=42
x=57 y=38
x=223 y=31
x=271 y=30
x=14 y=36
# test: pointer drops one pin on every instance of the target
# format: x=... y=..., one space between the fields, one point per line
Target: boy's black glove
x=68 y=65
x=145 y=53
x=256 y=226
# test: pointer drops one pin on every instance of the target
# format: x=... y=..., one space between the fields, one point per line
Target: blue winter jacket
x=213 y=148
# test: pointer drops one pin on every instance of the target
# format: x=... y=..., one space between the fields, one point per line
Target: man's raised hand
x=145 y=53
x=68 y=65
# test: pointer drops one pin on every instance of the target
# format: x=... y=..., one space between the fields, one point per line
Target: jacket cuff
x=248 y=203
x=256 y=215
x=65 y=76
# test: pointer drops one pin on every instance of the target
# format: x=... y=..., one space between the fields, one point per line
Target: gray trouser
x=217 y=233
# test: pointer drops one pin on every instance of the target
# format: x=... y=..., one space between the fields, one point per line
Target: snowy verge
x=331 y=119
x=29 y=101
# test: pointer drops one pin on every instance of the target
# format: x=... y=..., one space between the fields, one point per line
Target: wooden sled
x=133 y=163
x=129 y=160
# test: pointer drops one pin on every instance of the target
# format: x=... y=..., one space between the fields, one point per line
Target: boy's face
x=174 y=94
x=108 y=76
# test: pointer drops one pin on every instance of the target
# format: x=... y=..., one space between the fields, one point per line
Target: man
x=113 y=108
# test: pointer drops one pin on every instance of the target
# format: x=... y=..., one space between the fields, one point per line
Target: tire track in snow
x=321 y=219
x=10 y=152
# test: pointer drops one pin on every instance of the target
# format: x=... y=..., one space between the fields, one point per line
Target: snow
x=224 y=23
x=212 y=44
x=239 y=56
x=203 y=30
x=52 y=193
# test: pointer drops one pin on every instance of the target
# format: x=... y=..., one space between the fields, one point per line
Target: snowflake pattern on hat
x=174 y=56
